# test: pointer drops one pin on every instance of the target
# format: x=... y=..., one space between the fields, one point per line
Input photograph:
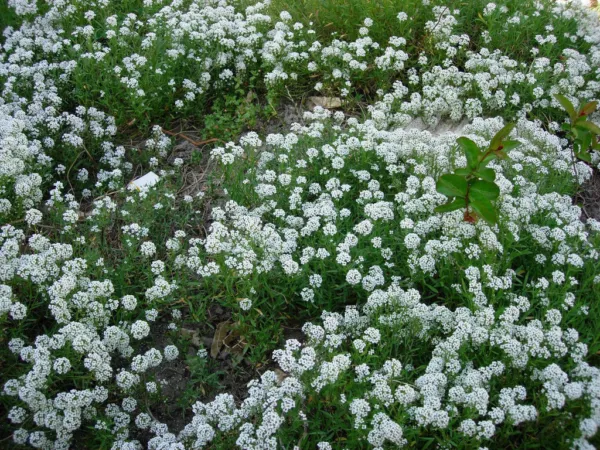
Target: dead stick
x=196 y=143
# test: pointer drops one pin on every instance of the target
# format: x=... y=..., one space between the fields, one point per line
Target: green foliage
x=231 y=114
x=343 y=19
x=239 y=103
x=204 y=378
x=580 y=130
x=473 y=187
x=8 y=18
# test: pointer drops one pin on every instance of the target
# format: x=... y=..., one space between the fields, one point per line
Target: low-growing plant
x=473 y=187
x=580 y=130
x=204 y=378
x=418 y=330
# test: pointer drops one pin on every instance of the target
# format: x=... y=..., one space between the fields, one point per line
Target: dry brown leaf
x=220 y=335
x=228 y=336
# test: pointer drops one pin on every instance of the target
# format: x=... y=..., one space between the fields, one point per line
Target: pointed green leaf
x=458 y=203
x=567 y=105
x=590 y=126
x=486 y=174
x=501 y=135
x=509 y=145
x=452 y=185
x=484 y=189
x=585 y=156
x=565 y=127
x=485 y=209
x=488 y=158
x=586 y=141
x=588 y=108
x=471 y=150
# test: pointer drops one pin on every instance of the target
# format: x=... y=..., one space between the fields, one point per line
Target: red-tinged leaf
x=469 y=217
x=588 y=108
x=501 y=135
x=500 y=154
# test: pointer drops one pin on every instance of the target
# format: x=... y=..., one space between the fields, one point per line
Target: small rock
x=281 y=375
x=192 y=335
x=183 y=150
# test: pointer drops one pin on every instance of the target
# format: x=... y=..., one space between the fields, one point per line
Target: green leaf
x=509 y=145
x=567 y=105
x=485 y=209
x=463 y=172
x=501 y=135
x=588 y=108
x=590 y=126
x=452 y=185
x=586 y=141
x=484 y=190
x=488 y=158
x=471 y=151
x=565 y=127
x=487 y=174
x=458 y=203
x=585 y=156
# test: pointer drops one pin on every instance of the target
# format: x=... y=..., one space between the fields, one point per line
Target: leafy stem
x=473 y=187
x=581 y=131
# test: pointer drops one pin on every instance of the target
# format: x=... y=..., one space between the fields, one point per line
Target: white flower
x=140 y=329
x=353 y=277
x=33 y=217
x=62 y=366
x=148 y=248
x=363 y=228
x=245 y=304
x=412 y=241
x=129 y=302
x=372 y=335
x=171 y=352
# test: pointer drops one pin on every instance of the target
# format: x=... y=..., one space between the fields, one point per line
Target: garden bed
x=303 y=224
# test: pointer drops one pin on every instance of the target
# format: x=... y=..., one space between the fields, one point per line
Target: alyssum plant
x=473 y=187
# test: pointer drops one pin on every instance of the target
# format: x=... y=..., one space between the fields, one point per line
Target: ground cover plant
x=413 y=267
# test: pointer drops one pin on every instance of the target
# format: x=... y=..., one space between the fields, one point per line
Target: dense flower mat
x=422 y=330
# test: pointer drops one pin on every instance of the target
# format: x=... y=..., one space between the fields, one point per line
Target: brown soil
x=235 y=371
x=589 y=198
